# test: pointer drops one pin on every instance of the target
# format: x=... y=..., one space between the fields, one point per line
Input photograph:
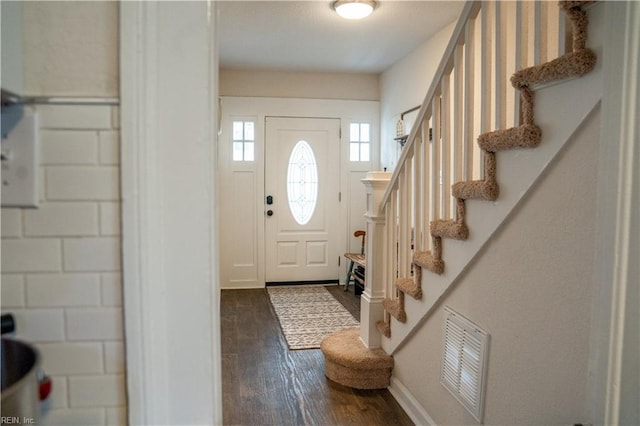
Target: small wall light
x=354 y=9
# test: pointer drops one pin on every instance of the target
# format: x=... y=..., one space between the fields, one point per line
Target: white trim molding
x=409 y=403
x=623 y=379
x=168 y=82
x=614 y=382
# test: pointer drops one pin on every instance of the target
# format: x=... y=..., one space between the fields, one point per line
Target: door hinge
x=340 y=196
x=338 y=260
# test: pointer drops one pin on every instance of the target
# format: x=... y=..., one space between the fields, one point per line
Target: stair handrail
x=469 y=11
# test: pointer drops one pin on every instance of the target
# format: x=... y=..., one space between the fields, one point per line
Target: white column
x=371 y=309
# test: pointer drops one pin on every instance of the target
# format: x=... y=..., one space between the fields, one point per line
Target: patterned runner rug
x=308 y=314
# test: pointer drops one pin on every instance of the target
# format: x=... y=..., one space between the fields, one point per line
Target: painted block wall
x=70 y=48
x=61 y=266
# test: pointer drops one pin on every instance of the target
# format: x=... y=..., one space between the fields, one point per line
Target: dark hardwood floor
x=264 y=383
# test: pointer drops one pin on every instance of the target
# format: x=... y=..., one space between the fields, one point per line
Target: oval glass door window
x=302 y=182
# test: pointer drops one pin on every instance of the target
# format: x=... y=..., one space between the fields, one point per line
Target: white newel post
x=371 y=309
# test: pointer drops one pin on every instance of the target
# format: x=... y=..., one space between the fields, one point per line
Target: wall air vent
x=464 y=361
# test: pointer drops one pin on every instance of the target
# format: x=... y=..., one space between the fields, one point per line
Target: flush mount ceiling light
x=354 y=9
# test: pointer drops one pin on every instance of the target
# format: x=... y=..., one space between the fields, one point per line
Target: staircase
x=429 y=167
x=446 y=197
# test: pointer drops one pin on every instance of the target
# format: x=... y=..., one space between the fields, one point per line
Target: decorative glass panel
x=364 y=132
x=237 y=131
x=364 y=152
x=302 y=182
x=248 y=151
x=354 y=151
x=354 y=132
x=237 y=151
x=248 y=130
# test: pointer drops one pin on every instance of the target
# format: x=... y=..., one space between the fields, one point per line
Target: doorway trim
x=169 y=229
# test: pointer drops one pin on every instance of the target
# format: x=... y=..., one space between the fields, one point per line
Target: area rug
x=308 y=314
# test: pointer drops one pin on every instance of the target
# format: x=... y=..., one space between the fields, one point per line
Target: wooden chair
x=356 y=260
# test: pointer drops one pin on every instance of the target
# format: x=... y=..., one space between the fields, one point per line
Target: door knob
x=269 y=212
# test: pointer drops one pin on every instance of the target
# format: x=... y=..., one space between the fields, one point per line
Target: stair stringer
x=559 y=111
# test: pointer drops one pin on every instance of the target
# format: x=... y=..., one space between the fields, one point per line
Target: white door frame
x=169 y=229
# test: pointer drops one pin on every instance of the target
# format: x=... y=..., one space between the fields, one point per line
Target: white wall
x=61 y=262
x=299 y=85
x=404 y=86
x=531 y=290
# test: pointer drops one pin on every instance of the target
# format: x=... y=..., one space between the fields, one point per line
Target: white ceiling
x=309 y=36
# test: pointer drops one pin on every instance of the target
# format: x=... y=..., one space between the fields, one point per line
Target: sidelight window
x=359 y=141
x=243 y=140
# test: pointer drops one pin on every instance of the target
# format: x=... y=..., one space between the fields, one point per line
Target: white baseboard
x=409 y=404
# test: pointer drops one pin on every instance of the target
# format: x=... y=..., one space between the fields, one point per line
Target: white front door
x=302 y=190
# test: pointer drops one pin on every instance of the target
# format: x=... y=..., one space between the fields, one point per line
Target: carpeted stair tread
x=349 y=362
x=525 y=136
x=572 y=64
x=486 y=189
x=449 y=229
x=426 y=260
x=410 y=287
x=475 y=189
x=395 y=308
x=345 y=347
x=384 y=328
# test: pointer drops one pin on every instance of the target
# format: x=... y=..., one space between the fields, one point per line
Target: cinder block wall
x=61 y=266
